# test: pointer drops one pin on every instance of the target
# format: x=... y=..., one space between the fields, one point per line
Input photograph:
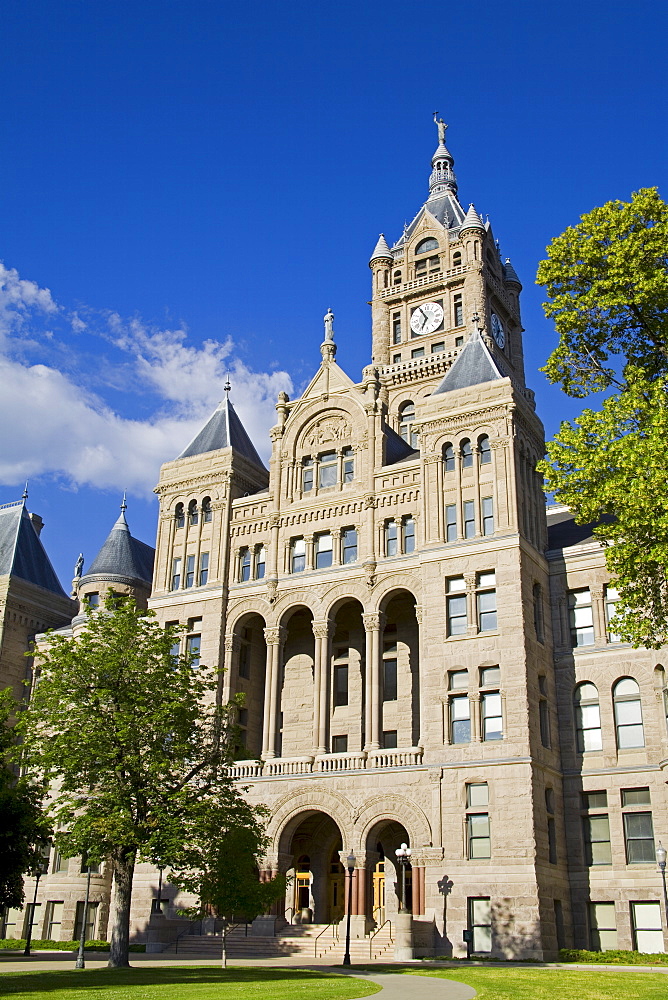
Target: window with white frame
x=190 y=571
x=628 y=714
x=245 y=564
x=193 y=515
x=638 y=826
x=647 y=928
x=448 y=458
x=581 y=617
x=349 y=545
x=203 y=568
x=457 y=310
x=457 y=616
x=54 y=919
x=611 y=599
x=207 y=513
x=480 y=924
x=391 y=538
x=406 y=419
x=486 y=601
x=297 y=555
x=408 y=530
x=466 y=452
x=179 y=515
x=602 y=927
x=484 y=450
x=469 y=519
x=348 y=465
x=194 y=641
x=341 y=674
x=487 y=504
x=460 y=718
x=451 y=522
x=327 y=469
x=260 y=562
x=307 y=475
x=176 y=573
x=477 y=821
x=490 y=706
x=596 y=828
x=323 y=550
x=587 y=717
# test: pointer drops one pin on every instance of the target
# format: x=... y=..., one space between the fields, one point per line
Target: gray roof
x=474 y=365
x=123 y=555
x=21 y=552
x=563 y=532
x=223 y=430
x=396 y=449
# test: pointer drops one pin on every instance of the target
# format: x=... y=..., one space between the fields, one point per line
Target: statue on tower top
x=329 y=325
x=442 y=128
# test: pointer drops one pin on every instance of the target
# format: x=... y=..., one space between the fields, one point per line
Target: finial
x=228 y=386
x=442 y=128
x=124 y=505
x=329 y=325
x=24 y=495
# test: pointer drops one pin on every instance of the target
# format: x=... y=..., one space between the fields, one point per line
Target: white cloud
x=56 y=427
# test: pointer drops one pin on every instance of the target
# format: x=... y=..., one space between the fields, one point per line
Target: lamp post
x=26 y=950
x=661 y=862
x=403 y=854
x=350 y=861
x=80 y=962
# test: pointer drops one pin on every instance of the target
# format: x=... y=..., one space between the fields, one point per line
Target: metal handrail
x=318 y=936
x=377 y=931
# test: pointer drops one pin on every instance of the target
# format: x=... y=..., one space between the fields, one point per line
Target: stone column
x=275 y=637
x=598 y=614
x=470 y=581
x=309 y=543
x=337 y=555
x=231 y=648
x=322 y=631
x=419 y=618
x=373 y=623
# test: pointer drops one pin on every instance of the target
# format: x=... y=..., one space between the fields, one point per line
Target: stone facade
x=388 y=600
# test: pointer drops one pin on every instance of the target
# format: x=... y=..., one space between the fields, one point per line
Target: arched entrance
x=386 y=887
x=313 y=841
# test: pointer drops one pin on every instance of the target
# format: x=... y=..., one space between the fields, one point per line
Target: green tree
x=607 y=285
x=222 y=871
x=24 y=828
x=136 y=744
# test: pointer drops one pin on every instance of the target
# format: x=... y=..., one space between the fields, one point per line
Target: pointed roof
x=474 y=365
x=472 y=220
x=123 y=555
x=21 y=552
x=223 y=430
x=510 y=274
x=381 y=250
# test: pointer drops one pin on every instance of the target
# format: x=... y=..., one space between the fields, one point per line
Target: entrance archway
x=313 y=841
x=383 y=840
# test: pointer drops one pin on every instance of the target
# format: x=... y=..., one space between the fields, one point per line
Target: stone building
x=426 y=656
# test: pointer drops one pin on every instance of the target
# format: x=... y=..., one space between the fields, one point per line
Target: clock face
x=426 y=318
x=498 y=332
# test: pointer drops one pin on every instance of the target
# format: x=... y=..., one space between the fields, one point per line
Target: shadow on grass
x=101 y=980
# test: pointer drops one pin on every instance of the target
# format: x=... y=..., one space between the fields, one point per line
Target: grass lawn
x=184 y=983
x=555 y=984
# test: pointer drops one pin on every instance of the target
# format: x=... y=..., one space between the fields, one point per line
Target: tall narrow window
x=477 y=821
x=611 y=599
x=469 y=519
x=307 y=475
x=457 y=259
x=54 y=919
x=487 y=504
x=467 y=454
x=207 y=513
x=323 y=550
x=451 y=522
x=458 y=310
x=484 y=450
x=341 y=683
x=602 y=927
x=390 y=678
x=203 y=568
x=176 y=573
x=460 y=719
x=327 y=471
x=91 y=917
x=596 y=828
x=551 y=827
x=193 y=515
x=406 y=419
x=193 y=647
x=260 y=562
x=190 y=571
x=638 y=828
x=409 y=534
x=298 y=555
x=480 y=924
x=492 y=722
x=456 y=606
x=245 y=565
x=628 y=714
x=486 y=602
x=348 y=465
x=587 y=717
x=581 y=617
x=179 y=515
x=390 y=538
x=244 y=660
x=538 y=611
x=349 y=545
x=396 y=328
x=448 y=458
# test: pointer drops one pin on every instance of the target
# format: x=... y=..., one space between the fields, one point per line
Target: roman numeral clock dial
x=426 y=318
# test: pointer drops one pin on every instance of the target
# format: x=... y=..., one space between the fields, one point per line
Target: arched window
x=628 y=714
x=467 y=454
x=206 y=510
x=406 y=418
x=457 y=259
x=484 y=450
x=396 y=280
x=424 y=246
x=193 y=516
x=587 y=717
x=244 y=565
x=179 y=515
x=448 y=458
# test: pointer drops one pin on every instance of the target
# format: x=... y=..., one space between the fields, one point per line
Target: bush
x=18 y=944
x=615 y=957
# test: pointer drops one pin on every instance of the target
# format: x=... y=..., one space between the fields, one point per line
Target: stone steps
x=310 y=941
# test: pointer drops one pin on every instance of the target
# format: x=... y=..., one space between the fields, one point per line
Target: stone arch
x=307 y=799
x=392 y=808
x=353 y=591
x=253 y=605
x=385 y=588
x=292 y=598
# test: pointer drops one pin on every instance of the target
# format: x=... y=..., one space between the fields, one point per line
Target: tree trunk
x=123 y=865
x=224 y=952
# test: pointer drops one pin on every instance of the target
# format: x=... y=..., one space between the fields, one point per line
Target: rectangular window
x=390 y=739
x=596 y=829
x=480 y=922
x=551 y=840
x=323 y=551
x=244 y=660
x=203 y=568
x=490 y=676
x=341 y=684
x=437 y=348
x=477 y=794
x=339 y=744
x=307 y=475
x=487 y=516
x=451 y=522
x=456 y=607
x=93 y=600
x=581 y=617
x=327 y=474
x=298 y=555
x=459 y=341
x=647 y=930
x=12 y=923
x=602 y=927
x=477 y=835
x=418 y=352
x=458 y=310
x=469 y=519
x=458 y=680
x=389 y=680
x=491 y=716
x=460 y=719
x=60 y=863
x=54 y=919
x=176 y=574
x=409 y=535
x=260 y=562
x=348 y=465
x=611 y=598
x=193 y=646
x=486 y=601
x=396 y=358
x=190 y=571
x=245 y=567
x=396 y=328
x=544 y=720
x=538 y=611
x=349 y=545
x=390 y=538
x=91 y=916
x=638 y=828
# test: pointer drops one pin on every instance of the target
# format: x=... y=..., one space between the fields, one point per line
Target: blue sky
x=186 y=188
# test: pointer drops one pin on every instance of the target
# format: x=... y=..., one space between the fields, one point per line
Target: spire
x=223 y=430
x=510 y=274
x=382 y=251
x=121 y=555
x=472 y=220
x=120 y=521
x=24 y=495
x=442 y=175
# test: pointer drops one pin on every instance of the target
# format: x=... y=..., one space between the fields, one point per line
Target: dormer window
x=179 y=515
x=424 y=246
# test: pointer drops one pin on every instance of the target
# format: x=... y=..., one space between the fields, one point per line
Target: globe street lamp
x=661 y=862
x=350 y=861
x=403 y=854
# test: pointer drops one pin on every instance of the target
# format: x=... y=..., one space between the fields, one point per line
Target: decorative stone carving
x=331 y=430
x=275 y=635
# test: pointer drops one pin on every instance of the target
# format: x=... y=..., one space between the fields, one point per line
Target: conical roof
x=474 y=365
x=381 y=250
x=510 y=274
x=223 y=430
x=472 y=219
x=122 y=555
x=21 y=552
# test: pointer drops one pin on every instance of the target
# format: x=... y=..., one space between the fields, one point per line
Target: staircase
x=308 y=941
